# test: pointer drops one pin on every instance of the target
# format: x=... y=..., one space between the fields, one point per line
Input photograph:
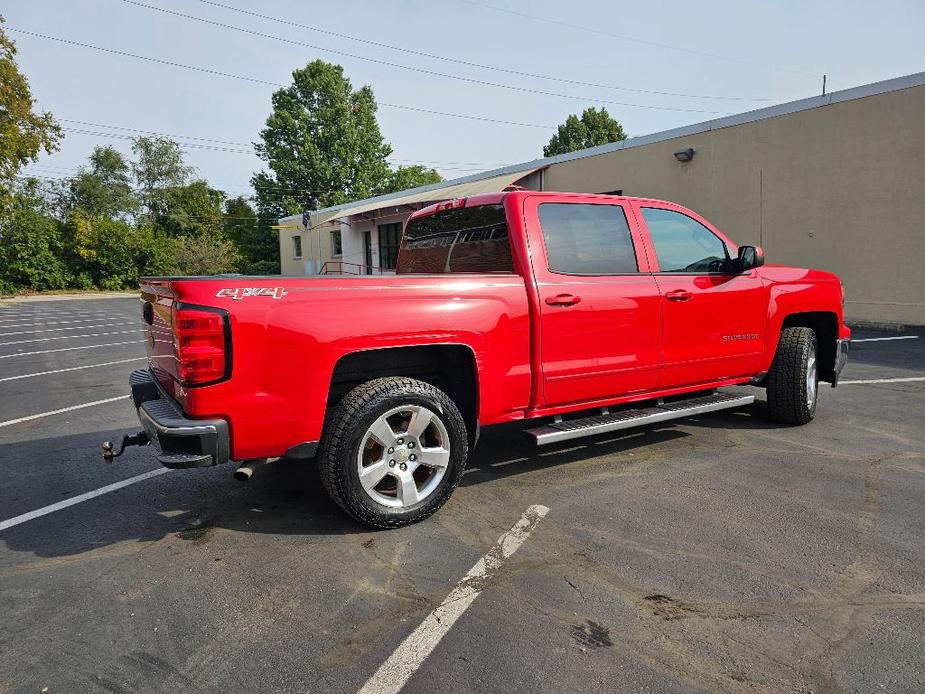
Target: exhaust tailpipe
x=246 y=469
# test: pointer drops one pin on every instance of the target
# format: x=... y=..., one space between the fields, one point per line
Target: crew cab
x=584 y=313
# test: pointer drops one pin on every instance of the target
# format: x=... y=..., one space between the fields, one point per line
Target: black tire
x=345 y=429
x=789 y=400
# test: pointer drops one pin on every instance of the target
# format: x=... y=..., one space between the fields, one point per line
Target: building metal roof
x=458 y=188
x=497 y=179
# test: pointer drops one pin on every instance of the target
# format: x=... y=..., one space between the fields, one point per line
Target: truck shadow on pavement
x=283 y=498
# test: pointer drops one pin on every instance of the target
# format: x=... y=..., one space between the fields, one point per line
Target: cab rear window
x=463 y=239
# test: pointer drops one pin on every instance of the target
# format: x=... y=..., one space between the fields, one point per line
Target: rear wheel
x=393 y=451
x=793 y=381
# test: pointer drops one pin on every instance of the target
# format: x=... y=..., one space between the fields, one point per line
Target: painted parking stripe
x=62 y=410
x=69 y=349
x=887 y=339
x=55 y=322
x=38 y=513
x=68 y=337
x=73 y=327
x=72 y=368
x=407 y=658
x=911 y=379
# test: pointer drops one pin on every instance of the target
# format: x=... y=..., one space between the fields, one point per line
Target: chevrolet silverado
x=585 y=313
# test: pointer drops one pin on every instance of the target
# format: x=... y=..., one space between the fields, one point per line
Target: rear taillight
x=200 y=343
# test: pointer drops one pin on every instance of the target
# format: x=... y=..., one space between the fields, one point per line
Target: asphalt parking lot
x=723 y=553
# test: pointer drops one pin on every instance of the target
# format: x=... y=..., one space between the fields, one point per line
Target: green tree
x=592 y=129
x=257 y=244
x=23 y=132
x=405 y=177
x=321 y=143
x=158 y=167
x=32 y=248
x=199 y=255
x=190 y=210
x=113 y=254
x=105 y=188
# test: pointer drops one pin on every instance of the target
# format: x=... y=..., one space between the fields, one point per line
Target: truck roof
x=498 y=198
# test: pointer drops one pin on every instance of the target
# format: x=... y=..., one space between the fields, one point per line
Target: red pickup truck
x=586 y=313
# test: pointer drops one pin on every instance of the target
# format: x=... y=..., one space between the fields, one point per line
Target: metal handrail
x=340 y=267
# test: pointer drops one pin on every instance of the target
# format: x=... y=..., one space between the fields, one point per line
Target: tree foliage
x=321 y=143
x=104 y=188
x=158 y=168
x=32 y=250
x=405 y=177
x=125 y=216
x=23 y=132
x=592 y=129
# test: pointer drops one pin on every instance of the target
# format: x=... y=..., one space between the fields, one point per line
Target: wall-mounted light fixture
x=683 y=155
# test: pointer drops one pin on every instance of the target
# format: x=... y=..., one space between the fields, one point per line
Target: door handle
x=563 y=300
x=679 y=295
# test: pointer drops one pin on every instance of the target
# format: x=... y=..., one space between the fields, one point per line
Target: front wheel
x=393 y=451
x=793 y=381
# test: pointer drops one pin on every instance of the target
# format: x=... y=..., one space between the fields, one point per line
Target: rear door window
x=682 y=244
x=587 y=239
x=463 y=239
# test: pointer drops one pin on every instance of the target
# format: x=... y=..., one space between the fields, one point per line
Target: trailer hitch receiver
x=139 y=439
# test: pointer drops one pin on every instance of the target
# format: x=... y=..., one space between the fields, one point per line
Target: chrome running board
x=627 y=419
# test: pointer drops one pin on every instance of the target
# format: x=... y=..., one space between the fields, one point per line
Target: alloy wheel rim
x=403 y=456
x=812 y=384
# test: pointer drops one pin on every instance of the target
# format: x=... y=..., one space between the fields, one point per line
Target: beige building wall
x=316 y=247
x=839 y=187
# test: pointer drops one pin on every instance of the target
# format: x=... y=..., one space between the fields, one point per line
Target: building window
x=296 y=246
x=337 y=249
x=389 y=237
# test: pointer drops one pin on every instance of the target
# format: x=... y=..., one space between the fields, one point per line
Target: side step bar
x=627 y=419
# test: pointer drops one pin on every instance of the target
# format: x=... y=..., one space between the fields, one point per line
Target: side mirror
x=750 y=257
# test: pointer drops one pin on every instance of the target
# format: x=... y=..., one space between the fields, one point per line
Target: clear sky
x=743 y=55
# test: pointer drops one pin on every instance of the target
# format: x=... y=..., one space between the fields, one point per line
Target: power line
x=479 y=164
x=151 y=132
x=194 y=145
x=257 y=80
x=624 y=37
x=424 y=71
x=460 y=61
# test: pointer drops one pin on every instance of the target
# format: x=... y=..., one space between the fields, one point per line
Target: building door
x=389 y=238
x=368 y=252
x=714 y=320
x=599 y=307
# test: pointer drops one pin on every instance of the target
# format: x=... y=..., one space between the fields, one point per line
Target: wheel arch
x=825 y=325
x=451 y=367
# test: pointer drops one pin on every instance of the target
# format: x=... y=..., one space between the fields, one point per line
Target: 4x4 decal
x=238 y=293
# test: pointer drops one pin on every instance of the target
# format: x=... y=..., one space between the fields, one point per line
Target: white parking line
x=407 y=658
x=887 y=339
x=910 y=379
x=73 y=327
x=20 y=315
x=40 y=415
x=55 y=322
x=73 y=368
x=68 y=337
x=32 y=515
x=69 y=349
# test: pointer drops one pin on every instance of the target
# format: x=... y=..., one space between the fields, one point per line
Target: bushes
x=198 y=255
x=31 y=248
x=38 y=252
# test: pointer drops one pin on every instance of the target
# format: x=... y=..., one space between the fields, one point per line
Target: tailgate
x=158 y=300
